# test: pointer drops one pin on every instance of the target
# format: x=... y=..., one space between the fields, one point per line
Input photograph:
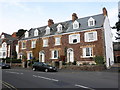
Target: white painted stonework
x=3 y=50
x=108 y=43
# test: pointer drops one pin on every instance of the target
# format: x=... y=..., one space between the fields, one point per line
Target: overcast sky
x=15 y=15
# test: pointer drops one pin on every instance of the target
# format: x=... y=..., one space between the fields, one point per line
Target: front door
x=70 y=55
x=41 y=57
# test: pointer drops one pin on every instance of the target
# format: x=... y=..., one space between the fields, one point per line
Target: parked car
x=43 y=67
x=4 y=66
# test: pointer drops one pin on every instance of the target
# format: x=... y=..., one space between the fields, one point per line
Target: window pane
x=87 y=51
x=74 y=40
x=57 y=40
x=55 y=54
x=91 y=37
x=91 y=23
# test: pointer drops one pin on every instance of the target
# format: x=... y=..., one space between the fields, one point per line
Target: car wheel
x=46 y=70
x=34 y=69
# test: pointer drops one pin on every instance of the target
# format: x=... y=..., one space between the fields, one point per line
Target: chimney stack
x=105 y=11
x=74 y=17
x=14 y=35
x=50 y=22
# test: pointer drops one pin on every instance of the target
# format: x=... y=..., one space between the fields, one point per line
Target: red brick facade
x=77 y=48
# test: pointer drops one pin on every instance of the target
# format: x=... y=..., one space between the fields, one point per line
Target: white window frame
x=4 y=45
x=56 y=41
x=59 y=28
x=3 y=36
x=72 y=37
x=47 y=30
x=85 y=52
x=45 y=42
x=53 y=54
x=87 y=36
x=36 y=32
x=26 y=34
x=33 y=43
x=91 y=20
x=76 y=25
x=22 y=45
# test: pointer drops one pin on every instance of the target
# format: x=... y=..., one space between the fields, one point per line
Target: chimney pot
x=74 y=17
x=50 y=22
x=105 y=11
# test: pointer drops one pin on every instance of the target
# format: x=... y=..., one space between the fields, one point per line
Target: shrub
x=63 y=63
x=99 y=59
x=74 y=63
x=85 y=63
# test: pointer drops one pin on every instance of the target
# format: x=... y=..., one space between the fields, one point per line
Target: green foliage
x=20 y=32
x=74 y=63
x=8 y=60
x=85 y=63
x=118 y=25
x=99 y=59
x=63 y=63
x=24 y=57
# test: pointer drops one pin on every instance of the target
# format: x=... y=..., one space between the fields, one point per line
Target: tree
x=118 y=25
x=20 y=32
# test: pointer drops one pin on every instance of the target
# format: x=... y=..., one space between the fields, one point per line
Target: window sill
x=23 y=48
x=32 y=47
x=74 y=43
x=53 y=58
x=45 y=46
x=86 y=56
x=57 y=44
x=91 y=41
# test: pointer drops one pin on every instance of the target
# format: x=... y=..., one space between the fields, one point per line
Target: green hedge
x=99 y=59
x=13 y=60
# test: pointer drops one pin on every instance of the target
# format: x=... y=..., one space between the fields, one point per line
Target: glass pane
x=87 y=51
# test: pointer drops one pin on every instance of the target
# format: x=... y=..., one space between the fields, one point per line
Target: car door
x=40 y=66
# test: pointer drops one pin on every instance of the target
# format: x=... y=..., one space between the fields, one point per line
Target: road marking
x=46 y=78
x=11 y=87
x=46 y=72
x=83 y=87
x=13 y=72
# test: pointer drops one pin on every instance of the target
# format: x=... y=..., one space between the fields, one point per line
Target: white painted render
x=17 y=48
x=108 y=43
x=3 y=50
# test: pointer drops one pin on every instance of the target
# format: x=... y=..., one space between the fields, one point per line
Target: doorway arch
x=70 y=55
x=41 y=56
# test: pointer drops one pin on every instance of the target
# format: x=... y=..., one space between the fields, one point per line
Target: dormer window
x=59 y=28
x=26 y=34
x=91 y=22
x=75 y=25
x=47 y=30
x=36 y=32
x=4 y=45
x=2 y=37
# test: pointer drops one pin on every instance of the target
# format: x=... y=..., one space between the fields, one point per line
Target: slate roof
x=8 y=38
x=68 y=27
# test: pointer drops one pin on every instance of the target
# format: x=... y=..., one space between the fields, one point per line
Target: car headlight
x=50 y=67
